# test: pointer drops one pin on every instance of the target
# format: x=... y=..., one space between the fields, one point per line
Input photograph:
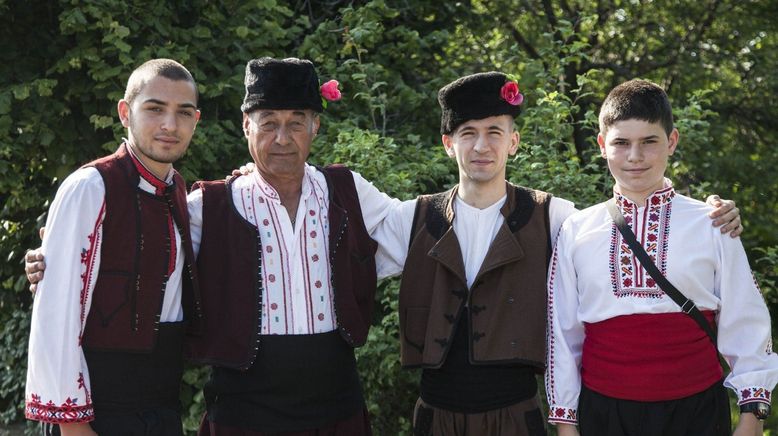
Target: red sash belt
x=649 y=357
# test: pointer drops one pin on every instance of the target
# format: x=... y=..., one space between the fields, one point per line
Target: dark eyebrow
x=164 y=103
x=496 y=127
x=155 y=101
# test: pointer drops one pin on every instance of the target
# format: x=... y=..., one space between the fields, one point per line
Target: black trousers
x=702 y=414
x=136 y=394
x=150 y=422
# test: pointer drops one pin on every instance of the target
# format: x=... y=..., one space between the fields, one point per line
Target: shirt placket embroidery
x=650 y=224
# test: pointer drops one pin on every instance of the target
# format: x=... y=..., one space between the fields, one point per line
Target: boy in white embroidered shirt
x=623 y=358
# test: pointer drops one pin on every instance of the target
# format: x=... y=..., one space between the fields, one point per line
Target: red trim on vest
x=159 y=185
x=159 y=189
x=649 y=357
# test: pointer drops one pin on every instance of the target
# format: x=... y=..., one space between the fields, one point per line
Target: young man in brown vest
x=107 y=330
x=473 y=306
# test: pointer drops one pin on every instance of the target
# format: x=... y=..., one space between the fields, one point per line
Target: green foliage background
x=64 y=64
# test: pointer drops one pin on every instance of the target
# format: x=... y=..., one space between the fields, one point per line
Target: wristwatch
x=759 y=409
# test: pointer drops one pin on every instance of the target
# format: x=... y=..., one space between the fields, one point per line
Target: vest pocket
x=111 y=294
x=416 y=326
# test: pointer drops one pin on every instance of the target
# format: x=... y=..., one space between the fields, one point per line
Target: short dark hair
x=637 y=99
x=166 y=68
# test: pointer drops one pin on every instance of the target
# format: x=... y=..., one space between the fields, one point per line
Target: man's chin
x=167 y=158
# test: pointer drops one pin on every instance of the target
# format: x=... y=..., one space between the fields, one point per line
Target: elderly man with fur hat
x=287 y=271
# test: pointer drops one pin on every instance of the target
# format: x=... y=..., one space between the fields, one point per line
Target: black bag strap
x=687 y=305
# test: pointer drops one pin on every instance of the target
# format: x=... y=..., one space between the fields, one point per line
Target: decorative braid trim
x=753 y=394
x=563 y=415
x=67 y=413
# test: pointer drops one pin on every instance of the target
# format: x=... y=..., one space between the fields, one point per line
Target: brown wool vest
x=231 y=276
x=505 y=310
x=128 y=295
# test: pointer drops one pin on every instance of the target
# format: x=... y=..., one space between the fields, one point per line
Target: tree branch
x=529 y=48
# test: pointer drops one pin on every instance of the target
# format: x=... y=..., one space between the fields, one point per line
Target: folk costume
x=286 y=299
x=108 y=320
x=621 y=351
x=472 y=301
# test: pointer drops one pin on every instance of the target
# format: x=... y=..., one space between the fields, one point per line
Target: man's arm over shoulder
x=194 y=205
x=559 y=210
x=58 y=386
x=389 y=221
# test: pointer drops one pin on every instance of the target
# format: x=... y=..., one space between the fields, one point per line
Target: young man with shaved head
x=108 y=321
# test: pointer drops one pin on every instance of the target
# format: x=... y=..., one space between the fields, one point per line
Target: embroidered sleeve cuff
x=752 y=394
x=68 y=412
x=562 y=415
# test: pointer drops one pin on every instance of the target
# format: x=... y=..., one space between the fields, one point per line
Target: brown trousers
x=520 y=419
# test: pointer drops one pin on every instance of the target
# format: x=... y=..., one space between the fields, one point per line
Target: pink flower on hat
x=510 y=93
x=330 y=91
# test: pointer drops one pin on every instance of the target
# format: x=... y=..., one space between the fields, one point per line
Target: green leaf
x=21 y=92
x=242 y=31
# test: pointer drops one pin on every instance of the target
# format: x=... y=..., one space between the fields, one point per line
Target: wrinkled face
x=160 y=121
x=481 y=148
x=280 y=140
x=637 y=153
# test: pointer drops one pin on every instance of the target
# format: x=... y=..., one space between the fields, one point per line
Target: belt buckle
x=691 y=306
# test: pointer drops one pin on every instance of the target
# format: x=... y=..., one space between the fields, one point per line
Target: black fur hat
x=289 y=83
x=475 y=97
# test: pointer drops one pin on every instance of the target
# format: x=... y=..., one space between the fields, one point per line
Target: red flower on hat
x=330 y=91
x=510 y=93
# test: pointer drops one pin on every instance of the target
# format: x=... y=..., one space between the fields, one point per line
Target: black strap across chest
x=687 y=305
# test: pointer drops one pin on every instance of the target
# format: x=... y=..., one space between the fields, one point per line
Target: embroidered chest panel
x=297 y=291
x=651 y=226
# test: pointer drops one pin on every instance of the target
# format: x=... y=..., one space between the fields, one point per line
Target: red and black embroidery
x=563 y=415
x=69 y=411
x=752 y=394
x=88 y=260
x=652 y=229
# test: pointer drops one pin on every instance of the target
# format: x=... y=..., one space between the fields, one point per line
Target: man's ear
x=124 y=112
x=515 y=140
x=246 y=124
x=673 y=140
x=448 y=144
x=601 y=143
x=316 y=124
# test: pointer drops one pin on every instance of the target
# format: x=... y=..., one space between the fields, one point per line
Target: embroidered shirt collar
x=268 y=191
x=658 y=198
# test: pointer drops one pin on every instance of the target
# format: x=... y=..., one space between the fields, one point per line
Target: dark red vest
x=231 y=273
x=134 y=256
